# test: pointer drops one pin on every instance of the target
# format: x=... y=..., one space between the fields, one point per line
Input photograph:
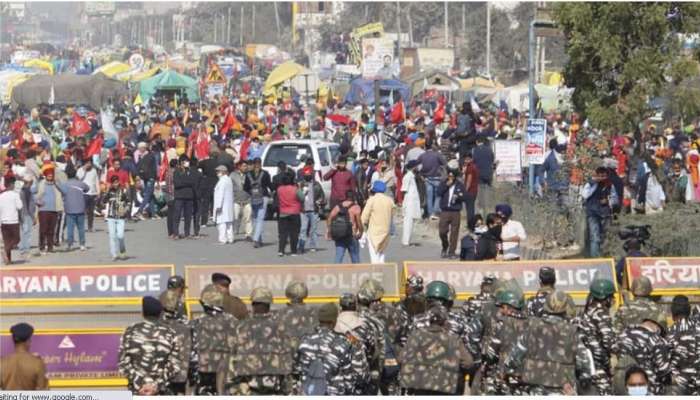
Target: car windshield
x=292 y=154
x=335 y=152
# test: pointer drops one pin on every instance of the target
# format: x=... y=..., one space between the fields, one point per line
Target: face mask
x=637 y=390
x=481 y=229
x=308 y=178
x=496 y=230
x=186 y=165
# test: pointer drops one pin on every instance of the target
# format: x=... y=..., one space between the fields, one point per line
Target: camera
x=639 y=232
x=634 y=233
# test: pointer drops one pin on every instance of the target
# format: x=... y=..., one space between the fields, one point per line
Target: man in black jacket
x=209 y=179
x=452 y=194
x=259 y=187
x=147 y=169
x=185 y=183
x=487 y=247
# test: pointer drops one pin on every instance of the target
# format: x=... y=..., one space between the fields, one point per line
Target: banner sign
x=324 y=281
x=57 y=284
x=667 y=274
x=536 y=140
x=377 y=58
x=573 y=276
x=93 y=355
x=508 y=155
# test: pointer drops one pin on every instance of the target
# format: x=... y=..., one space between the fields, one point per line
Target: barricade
x=669 y=276
x=326 y=282
x=573 y=276
x=85 y=285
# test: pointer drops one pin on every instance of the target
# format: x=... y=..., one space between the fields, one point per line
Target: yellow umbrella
x=283 y=72
x=41 y=64
x=113 y=68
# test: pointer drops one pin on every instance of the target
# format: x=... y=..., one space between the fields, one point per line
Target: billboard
x=508 y=155
x=668 y=275
x=326 y=282
x=377 y=58
x=73 y=356
x=536 y=140
x=99 y=284
x=99 y=8
x=573 y=276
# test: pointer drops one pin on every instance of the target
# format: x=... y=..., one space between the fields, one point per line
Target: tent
x=68 y=89
x=111 y=69
x=478 y=82
x=39 y=64
x=169 y=80
x=283 y=72
x=432 y=80
x=362 y=91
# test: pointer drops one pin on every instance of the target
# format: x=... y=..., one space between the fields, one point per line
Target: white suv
x=295 y=152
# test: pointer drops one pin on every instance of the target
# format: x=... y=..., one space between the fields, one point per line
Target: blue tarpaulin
x=362 y=91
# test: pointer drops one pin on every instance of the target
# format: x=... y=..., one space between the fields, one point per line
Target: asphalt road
x=147 y=243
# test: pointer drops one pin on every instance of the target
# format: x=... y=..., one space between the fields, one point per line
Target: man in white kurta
x=224 y=205
x=411 y=202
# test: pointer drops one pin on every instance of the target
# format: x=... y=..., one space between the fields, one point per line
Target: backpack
x=315 y=383
x=341 y=226
x=468 y=248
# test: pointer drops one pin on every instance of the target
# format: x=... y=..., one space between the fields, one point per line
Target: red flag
x=164 y=165
x=439 y=115
x=229 y=121
x=244 y=148
x=80 y=125
x=17 y=126
x=398 y=114
x=95 y=147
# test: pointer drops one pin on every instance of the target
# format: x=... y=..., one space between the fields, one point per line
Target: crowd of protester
x=428 y=158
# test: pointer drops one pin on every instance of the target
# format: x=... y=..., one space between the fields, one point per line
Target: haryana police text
x=61 y=284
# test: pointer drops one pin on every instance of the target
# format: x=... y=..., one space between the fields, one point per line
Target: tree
x=621 y=54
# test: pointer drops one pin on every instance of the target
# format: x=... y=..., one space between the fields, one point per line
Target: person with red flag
x=439 y=114
x=398 y=113
x=80 y=125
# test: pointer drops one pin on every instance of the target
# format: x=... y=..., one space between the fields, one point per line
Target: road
x=147 y=243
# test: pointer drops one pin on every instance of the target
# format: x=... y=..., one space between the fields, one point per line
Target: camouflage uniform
x=375 y=335
x=343 y=363
x=639 y=345
x=263 y=358
x=506 y=331
x=595 y=325
x=632 y=312
x=297 y=320
x=183 y=335
x=473 y=307
x=212 y=342
x=360 y=335
x=180 y=311
x=535 y=305
x=548 y=356
x=148 y=355
x=434 y=361
x=684 y=338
